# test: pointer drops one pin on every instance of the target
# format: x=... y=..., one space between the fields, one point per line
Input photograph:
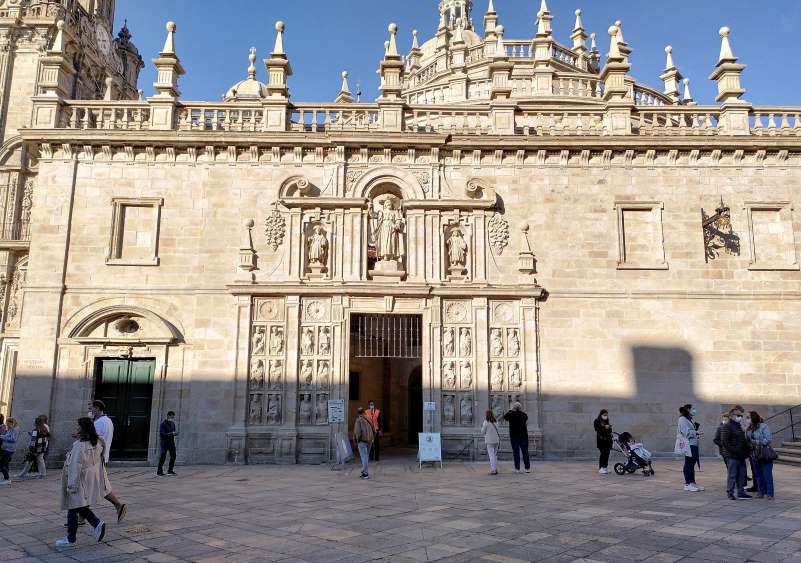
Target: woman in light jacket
x=686 y=429
x=492 y=438
x=83 y=482
x=759 y=435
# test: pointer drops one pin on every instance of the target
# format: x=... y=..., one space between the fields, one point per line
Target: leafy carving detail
x=498 y=233
x=275 y=228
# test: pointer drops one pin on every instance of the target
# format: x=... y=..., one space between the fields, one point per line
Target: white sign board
x=336 y=411
x=430 y=406
x=344 y=451
x=430 y=447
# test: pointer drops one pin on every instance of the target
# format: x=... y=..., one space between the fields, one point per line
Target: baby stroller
x=637 y=457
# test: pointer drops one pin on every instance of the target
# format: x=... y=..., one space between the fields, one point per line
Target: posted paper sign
x=336 y=411
x=430 y=406
x=430 y=447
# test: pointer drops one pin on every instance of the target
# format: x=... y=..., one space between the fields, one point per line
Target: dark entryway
x=415 y=405
x=126 y=387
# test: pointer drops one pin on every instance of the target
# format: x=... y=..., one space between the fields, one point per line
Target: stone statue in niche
x=257 y=374
x=325 y=341
x=258 y=341
x=498 y=406
x=307 y=342
x=305 y=409
x=323 y=373
x=496 y=376
x=254 y=413
x=276 y=341
x=496 y=342
x=447 y=342
x=467 y=375
x=457 y=253
x=514 y=343
x=466 y=410
x=449 y=409
x=388 y=226
x=317 y=251
x=465 y=343
x=306 y=373
x=719 y=234
x=274 y=409
x=515 y=379
x=449 y=375
x=276 y=373
x=322 y=408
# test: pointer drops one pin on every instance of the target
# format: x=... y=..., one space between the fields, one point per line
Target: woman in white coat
x=83 y=482
x=493 y=439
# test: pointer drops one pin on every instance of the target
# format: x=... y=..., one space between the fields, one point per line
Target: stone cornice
x=378 y=289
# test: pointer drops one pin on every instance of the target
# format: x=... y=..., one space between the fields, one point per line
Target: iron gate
x=386 y=336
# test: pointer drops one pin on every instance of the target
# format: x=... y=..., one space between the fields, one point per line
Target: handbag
x=682 y=446
x=766 y=453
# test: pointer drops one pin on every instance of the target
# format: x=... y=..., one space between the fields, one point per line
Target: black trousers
x=375 y=451
x=603 y=460
x=72 y=520
x=164 y=449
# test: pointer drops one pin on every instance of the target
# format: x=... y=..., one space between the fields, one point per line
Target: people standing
x=37 y=449
x=695 y=450
x=686 y=432
x=363 y=435
x=735 y=448
x=492 y=438
x=518 y=435
x=167 y=434
x=374 y=415
x=603 y=440
x=724 y=419
x=760 y=437
x=83 y=483
x=105 y=429
x=8 y=444
x=750 y=462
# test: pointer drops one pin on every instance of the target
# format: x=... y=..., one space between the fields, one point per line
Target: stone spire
x=278 y=67
x=687 y=98
x=344 y=97
x=490 y=22
x=727 y=71
x=595 y=54
x=109 y=93
x=168 y=66
x=391 y=71
x=413 y=60
x=579 y=36
x=544 y=19
x=619 y=103
x=671 y=76
x=58 y=42
x=623 y=47
x=500 y=46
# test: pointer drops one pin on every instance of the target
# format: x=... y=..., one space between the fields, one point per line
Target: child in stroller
x=638 y=456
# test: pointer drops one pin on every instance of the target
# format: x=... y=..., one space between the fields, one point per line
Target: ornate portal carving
x=719 y=234
x=498 y=233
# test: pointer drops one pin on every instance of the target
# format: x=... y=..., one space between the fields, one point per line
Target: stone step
x=789 y=456
x=792 y=445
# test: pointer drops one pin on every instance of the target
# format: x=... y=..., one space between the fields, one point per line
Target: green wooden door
x=126 y=387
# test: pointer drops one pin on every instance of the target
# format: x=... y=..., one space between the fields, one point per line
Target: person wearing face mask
x=603 y=440
x=724 y=418
x=695 y=449
x=688 y=434
x=374 y=415
x=736 y=449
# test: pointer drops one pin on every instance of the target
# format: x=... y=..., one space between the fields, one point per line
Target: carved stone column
x=417 y=245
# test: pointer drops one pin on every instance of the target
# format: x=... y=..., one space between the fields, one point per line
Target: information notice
x=430 y=448
x=336 y=411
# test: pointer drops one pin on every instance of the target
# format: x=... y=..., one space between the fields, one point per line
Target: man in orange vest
x=374 y=415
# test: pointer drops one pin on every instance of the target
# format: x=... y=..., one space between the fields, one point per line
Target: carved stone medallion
x=455 y=312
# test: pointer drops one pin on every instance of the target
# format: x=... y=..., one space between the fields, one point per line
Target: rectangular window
x=353 y=386
x=135 y=225
x=641 y=243
x=771 y=236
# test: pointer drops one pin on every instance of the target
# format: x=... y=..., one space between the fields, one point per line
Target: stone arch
x=121 y=320
x=11 y=153
x=374 y=182
x=297 y=186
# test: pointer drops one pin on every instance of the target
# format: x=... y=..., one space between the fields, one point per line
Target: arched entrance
x=415 y=405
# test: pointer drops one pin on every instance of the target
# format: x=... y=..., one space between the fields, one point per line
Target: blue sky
x=324 y=37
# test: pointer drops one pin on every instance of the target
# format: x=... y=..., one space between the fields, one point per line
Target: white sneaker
x=5 y=482
x=698 y=487
x=99 y=532
x=65 y=542
x=691 y=488
x=517 y=472
x=603 y=471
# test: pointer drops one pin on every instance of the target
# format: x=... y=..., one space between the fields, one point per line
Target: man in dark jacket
x=167 y=433
x=735 y=449
x=518 y=435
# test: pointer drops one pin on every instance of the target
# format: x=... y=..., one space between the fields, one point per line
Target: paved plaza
x=563 y=511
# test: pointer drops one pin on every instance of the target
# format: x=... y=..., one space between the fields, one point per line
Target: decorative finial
x=614 y=44
x=458 y=37
x=544 y=7
x=252 y=67
x=345 y=86
x=491 y=8
x=109 y=89
x=500 y=47
x=619 y=26
x=141 y=95
x=688 y=97
x=593 y=43
x=393 y=43
x=58 y=42
x=169 y=44
x=415 y=42
x=279 y=38
x=669 y=62
x=579 y=24
x=726 y=53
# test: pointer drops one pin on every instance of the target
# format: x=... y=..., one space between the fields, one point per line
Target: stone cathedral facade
x=509 y=220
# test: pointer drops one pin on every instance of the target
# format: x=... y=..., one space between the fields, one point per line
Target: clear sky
x=324 y=37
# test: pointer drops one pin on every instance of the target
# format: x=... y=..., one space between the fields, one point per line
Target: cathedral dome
x=249 y=88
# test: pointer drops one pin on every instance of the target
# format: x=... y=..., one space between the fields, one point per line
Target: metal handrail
x=792 y=424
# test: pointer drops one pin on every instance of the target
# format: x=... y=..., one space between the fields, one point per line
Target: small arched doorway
x=415 y=405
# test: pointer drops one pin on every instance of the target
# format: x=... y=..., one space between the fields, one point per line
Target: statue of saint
x=258 y=341
x=496 y=376
x=514 y=343
x=449 y=375
x=318 y=246
x=276 y=373
x=449 y=410
x=322 y=408
x=323 y=374
x=257 y=374
x=498 y=406
x=307 y=343
x=325 y=341
x=457 y=249
x=466 y=410
x=388 y=226
x=447 y=342
x=276 y=341
x=515 y=379
x=465 y=343
x=467 y=375
x=307 y=373
x=274 y=409
x=305 y=411
x=496 y=342
x=255 y=409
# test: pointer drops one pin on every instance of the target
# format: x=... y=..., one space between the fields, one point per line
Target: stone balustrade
x=446 y=119
x=334 y=117
x=130 y=116
x=681 y=120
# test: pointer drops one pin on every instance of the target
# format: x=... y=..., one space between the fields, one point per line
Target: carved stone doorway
x=384 y=350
